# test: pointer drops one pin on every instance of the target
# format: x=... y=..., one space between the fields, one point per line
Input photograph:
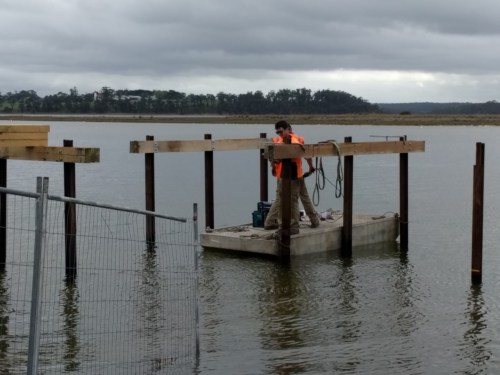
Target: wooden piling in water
x=264 y=173
x=403 y=199
x=150 y=196
x=209 y=187
x=286 y=210
x=3 y=215
x=348 y=198
x=477 y=216
x=70 y=218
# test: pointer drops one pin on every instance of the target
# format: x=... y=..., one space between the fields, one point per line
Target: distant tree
x=283 y=102
x=302 y=99
x=104 y=102
x=225 y=103
x=10 y=101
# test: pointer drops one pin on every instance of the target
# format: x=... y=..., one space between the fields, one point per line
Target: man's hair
x=282 y=124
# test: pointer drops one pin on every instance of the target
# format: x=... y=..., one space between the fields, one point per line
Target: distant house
x=131 y=98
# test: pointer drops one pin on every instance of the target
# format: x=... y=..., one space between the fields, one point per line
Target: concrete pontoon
x=366 y=230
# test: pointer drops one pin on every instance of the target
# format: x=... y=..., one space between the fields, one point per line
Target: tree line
x=491 y=107
x=108 y=100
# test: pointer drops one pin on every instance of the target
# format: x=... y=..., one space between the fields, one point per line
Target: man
x=298 y=186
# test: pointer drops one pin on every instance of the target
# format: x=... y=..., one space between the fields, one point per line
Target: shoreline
x=344 y=119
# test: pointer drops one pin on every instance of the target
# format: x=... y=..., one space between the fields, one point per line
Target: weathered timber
x=70 y=218
x=23 y=142
x=346 y=250
x=280 y=151
x=24 y=128
x=477 y=216
x=263 y=173
x=4 y=137
x=286 y=211
x=24 y=135
x=142 y=147
x=149 y=162
x=58 y=154
x=403 y=200
x=209 y=187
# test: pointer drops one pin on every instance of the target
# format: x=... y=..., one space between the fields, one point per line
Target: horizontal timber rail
x=145 y=147
x=278 y=151
x=282 y=151
x=51 y=153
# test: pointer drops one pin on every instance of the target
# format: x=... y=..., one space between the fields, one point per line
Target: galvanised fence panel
x=130 y=307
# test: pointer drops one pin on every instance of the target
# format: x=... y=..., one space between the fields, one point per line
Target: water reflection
x=348 y=324
x=70 y=299
x=371 y=313
x=283 y=297
x=150 y=309
x=211 y=284
x=375 y=296
x=403 y=288
x=474 y=348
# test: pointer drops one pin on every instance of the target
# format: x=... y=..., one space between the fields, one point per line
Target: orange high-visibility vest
x=298 y=161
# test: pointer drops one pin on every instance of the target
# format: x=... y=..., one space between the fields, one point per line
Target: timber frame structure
x=269 y=150
x=30 y=142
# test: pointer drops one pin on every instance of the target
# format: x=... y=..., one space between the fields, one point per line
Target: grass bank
x=348 y=119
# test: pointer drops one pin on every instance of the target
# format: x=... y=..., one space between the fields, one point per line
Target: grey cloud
x=168 y=38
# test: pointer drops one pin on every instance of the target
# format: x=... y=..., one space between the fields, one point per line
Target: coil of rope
x=321 y=178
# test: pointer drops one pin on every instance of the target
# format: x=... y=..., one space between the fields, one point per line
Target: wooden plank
x=58 y=154
x=24 y=142
x=19 y=136
x=24 y=135
x=281 y=151
x=24 y=128
x=142 y=147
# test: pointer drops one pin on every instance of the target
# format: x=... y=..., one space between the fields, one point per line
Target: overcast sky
x=381 y=50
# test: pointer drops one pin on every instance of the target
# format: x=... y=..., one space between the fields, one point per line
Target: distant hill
x=491 y=107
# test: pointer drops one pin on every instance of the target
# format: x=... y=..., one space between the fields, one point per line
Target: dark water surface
x=381 y=312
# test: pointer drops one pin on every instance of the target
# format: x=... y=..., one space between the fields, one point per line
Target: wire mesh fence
x=128 y=307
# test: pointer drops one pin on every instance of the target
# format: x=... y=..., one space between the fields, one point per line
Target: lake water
x=381 y=312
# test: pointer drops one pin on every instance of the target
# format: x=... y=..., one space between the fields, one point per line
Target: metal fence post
x=3 y=215
x=42 y=187
x=195 y=255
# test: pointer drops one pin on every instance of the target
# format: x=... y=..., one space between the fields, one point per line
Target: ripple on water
x=380 y=312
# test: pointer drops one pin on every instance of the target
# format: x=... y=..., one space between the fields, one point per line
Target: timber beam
x=278 y=151
x=282 y=151
x=24 y=135
x=30 y=142
x=58 y=154
x=146 y=147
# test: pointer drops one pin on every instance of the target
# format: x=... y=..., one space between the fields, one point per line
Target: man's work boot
x=315 y=221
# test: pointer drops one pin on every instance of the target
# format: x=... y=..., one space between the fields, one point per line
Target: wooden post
x=403 y=199
x=264 y=173
x=3 y=215
x=348 y=195
x=70 y=218
x=150 y=196
x=477 y=216
x=286 y=210
x=209 y=187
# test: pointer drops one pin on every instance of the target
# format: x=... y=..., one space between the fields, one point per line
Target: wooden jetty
x=352 y=230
